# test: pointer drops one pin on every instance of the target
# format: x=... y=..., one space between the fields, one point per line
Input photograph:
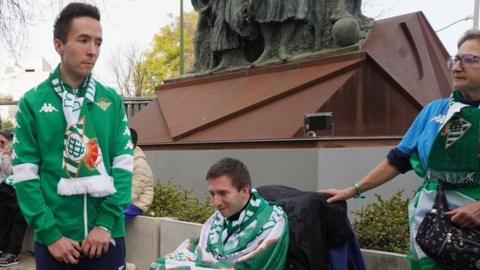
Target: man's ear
x=58 y=44
x=245 y=190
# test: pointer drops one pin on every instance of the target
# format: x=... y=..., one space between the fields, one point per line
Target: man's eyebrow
x=218 y=191
x=89 y=36
x=84 y=36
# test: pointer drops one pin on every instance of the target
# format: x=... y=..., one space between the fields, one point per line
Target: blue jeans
x=112 y=260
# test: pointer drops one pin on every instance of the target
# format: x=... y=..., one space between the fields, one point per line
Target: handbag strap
x=441 y=203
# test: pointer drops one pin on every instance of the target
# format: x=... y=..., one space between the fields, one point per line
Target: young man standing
x=72 y=154
x=246 y=232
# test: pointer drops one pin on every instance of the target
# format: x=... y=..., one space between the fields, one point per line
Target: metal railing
x=132 y=105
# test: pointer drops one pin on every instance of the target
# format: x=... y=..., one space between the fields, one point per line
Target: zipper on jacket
x=85 y=216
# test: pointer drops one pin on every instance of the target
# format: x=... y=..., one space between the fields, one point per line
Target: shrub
x=174 y=201
x=7 y=123
x=383 y=224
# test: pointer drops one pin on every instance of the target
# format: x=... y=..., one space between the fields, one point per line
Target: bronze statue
x=235 y=33
x=226 y=34
x=201 y=51
x=346 y=14
x=273 y=15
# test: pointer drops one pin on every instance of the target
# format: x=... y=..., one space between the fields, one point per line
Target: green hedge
x=174 y=201
x=383 y=224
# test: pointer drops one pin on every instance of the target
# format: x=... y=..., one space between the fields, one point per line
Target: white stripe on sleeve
x=24 y=172
x=123 y=162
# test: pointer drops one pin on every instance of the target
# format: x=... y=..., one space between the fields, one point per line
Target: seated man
x=246 y=232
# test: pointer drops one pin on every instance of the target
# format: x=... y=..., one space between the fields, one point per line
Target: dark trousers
x=12 y=223
x=112 y=260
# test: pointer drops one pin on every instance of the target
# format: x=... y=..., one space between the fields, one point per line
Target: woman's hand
x=339 y=194
x=466 y=216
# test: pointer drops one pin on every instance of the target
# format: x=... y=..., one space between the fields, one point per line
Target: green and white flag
x=257 y=240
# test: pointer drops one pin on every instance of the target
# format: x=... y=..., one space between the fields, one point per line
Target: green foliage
x=174 y=201
x=162 y=60
x=7 y=124
x=383 y=224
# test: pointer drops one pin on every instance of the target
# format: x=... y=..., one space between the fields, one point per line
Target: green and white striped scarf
x=454 y=155
x=83 y=168
x=257 y=240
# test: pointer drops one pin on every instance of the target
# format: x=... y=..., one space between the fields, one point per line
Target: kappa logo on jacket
x=48 y=108
x=129 y=145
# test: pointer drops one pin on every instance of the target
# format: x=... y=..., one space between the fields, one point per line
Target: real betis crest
x=75 y=146
x=103 y=104
x=455 y=129
x=80 y=150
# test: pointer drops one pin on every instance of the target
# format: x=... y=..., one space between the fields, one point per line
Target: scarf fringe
x=454 y=178
x=95 y=186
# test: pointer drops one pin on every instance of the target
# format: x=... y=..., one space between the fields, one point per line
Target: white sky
x=134 y=22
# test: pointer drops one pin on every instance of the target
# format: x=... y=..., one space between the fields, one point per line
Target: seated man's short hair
x=233 y=168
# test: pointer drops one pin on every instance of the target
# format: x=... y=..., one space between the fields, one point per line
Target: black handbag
x=451 y=246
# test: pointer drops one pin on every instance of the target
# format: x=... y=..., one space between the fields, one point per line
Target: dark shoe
x=8 y=259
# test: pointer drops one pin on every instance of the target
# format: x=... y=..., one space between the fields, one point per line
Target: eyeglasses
x=465 y=60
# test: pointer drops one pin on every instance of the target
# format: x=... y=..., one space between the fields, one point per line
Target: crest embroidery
x=103 y=104
x=454 y=130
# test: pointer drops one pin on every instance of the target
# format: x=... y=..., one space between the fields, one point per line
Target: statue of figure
x=202 y=56
x=228 y=29
x=282 y=16
x=313 y=12
x=342 y=11
x=349 y=24
x=273 y=15
x=351 y=8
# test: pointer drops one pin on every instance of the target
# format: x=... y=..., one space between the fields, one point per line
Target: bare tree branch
x=17 y=15
x=380 y=8
x=126 y=66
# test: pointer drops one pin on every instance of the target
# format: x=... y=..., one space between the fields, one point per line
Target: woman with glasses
x=442 y=145
x=12 y=223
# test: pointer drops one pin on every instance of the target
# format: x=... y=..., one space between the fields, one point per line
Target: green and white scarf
x=257 y=240
x=83 y=168
x=454 y=156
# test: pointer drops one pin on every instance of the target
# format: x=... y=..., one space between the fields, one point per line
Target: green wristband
x=358 y=191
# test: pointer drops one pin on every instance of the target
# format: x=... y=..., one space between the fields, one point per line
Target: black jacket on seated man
x=315 y=225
